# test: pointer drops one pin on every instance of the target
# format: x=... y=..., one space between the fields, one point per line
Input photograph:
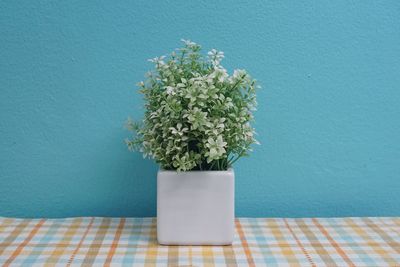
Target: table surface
x=97 y=241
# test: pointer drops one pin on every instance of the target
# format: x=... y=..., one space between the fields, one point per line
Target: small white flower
x=170 y=90
x=238 y=74
x=179 y=130
x=215 y=56
x=220 y=73
x=157 y=60
x=188 y=43
x=216 y=148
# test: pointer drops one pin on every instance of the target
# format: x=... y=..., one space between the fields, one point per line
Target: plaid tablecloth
x=258 y=242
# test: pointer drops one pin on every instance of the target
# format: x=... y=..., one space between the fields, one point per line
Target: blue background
x=328 y=117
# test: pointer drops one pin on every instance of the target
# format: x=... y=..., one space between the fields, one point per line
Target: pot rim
x=197 y=171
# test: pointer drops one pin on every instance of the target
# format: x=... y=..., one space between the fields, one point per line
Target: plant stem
x=233 y=87
x=183 y=55
x=212 y=165
x=238 y=157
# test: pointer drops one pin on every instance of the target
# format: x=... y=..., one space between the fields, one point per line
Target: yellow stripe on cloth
x=60 y=247
x=257 y=242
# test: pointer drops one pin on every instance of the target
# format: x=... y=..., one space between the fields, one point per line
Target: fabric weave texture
x=98 y=241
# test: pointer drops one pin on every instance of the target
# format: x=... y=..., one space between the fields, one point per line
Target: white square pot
x=195 y=207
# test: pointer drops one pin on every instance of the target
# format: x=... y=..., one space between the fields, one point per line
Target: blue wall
x=328 y=118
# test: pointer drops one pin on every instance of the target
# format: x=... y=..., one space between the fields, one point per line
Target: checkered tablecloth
x=98 y=241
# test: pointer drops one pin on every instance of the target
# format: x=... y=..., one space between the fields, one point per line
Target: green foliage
x=197 y=116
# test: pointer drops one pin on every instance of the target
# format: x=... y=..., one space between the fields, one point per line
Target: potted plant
x=196 y=126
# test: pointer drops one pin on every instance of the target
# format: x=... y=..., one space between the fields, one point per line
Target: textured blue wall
x=328 y=119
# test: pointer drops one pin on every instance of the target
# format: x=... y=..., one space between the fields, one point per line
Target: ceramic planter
x=195 y=207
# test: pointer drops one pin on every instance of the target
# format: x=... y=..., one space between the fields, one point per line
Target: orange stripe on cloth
x=14 y=234
x=300 y=245
x=114 y=244
x=24 y=243
x=246 y=249
x=71 y=259
x=334 y=244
